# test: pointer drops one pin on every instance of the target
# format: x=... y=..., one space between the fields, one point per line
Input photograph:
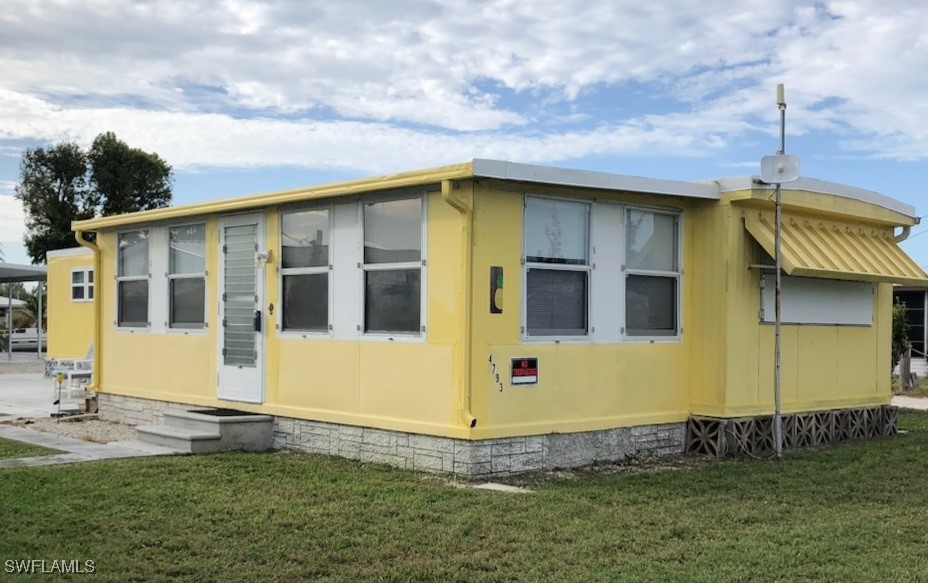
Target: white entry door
x=241 y=298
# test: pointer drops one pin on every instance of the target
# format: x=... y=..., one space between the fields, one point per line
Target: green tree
x=124 y=179
x=64 y=183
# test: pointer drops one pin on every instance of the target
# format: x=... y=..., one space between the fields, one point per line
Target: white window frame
x=588 y=268
x=422 y=265
x=122 y=278
x=328 y=269
x=677 y=275
x=86 y=284
x=169 y=276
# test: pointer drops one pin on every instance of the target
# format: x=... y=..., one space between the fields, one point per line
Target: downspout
x=97 y=310
x=903 y=235
x=465 y=321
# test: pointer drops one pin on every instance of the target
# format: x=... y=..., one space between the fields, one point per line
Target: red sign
x=525 y=371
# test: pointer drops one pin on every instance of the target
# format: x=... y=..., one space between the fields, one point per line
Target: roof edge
x=484 y=168
x=822 y=187
x=242 y=203
x=69 y=252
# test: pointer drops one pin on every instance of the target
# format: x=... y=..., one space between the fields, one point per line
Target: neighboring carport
x=13 y=273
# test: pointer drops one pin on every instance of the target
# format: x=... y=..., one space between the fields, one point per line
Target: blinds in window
x=651 y=242
x=133 y=254
x=556 y=231
x=188 y=249
x=556 y=302
x=650 y=305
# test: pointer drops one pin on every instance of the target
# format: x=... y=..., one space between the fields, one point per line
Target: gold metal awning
x=814 y=247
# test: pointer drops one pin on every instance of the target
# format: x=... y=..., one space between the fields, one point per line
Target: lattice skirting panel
x=722 y=437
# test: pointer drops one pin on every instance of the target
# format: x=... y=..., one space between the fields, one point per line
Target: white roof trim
x=822 y=186
x=591 y=179
x=71 y=251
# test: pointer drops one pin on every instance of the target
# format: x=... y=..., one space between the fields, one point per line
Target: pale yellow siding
x=70 y=323
x=721 y=364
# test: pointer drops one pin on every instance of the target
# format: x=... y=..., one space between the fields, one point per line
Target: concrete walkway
x=77 y=450
x=32 y=395
x=920 y=403
x=29 y=395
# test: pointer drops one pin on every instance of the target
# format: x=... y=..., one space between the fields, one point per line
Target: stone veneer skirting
x=471 y=458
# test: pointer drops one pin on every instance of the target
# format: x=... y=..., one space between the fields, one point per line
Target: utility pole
x=776 y=170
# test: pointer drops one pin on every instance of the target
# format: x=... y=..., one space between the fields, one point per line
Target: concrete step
x=180 y=438
x=206 y=422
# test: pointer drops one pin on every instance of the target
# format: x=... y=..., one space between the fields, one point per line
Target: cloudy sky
x=243 y=97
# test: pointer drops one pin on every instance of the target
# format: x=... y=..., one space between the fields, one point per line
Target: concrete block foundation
x=467 y=458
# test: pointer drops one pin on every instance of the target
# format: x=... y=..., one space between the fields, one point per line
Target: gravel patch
x=88 y=429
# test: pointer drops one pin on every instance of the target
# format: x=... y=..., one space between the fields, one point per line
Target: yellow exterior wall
x=404 y=385
x=822 y=366
x=721 y=365
x=582 y=386
x=70 y=323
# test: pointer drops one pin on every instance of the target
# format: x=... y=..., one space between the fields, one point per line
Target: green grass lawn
x=10 y=448
x=854 y=512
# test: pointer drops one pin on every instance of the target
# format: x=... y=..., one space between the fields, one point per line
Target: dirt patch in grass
x=87 y=429
x=633 y=465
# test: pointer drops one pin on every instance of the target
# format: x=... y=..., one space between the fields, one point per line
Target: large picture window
x=82 y=285
x=132 y=277
x=187 y=276
x=305 y=242
x=557 y=267
x=652 y=269
x=393 y=266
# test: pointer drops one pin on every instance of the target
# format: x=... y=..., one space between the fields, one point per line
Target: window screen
x=187 y=276
x=393 y=266
x=652 y=270
x=305 y=255
x=132 y=279
x=556 y=231
x=556 y=243
x=556 y=302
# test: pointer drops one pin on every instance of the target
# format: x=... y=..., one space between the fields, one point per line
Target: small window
x=187 y=276
x=393 y=266
x=557 y=277
x=305 y=242
x=81 y=285
x=132 y=275
x=652 y=284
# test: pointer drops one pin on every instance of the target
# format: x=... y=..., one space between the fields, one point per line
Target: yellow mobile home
x=493 y=317
x=70 y=302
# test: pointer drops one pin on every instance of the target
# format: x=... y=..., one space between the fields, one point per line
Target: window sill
x=397 y=338
x=186 y=331
x=304 y=335
x=589 y=340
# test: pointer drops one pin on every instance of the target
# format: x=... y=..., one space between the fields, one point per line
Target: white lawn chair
x=55 y=365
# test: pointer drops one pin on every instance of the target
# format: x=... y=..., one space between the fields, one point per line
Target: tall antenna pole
x=777 y=417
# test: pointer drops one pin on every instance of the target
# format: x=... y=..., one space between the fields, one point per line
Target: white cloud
x=12 y=219
x=373 y=85
x=192 y=140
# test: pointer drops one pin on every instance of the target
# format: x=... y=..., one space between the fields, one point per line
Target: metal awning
x=815 y=247
x=11 y=272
